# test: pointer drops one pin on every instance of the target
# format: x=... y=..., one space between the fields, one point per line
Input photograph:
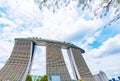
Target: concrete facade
x=20 y=62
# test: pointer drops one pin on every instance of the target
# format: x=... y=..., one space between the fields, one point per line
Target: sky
x=23 y=18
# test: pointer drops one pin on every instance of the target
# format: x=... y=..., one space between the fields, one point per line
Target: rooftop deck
x=43 y=42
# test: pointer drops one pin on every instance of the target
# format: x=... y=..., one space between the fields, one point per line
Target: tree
x=37 y=80
x=44 y=78
x=28 y=78
x=96 y=8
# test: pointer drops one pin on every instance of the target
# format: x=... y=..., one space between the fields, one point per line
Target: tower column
x=73 y=64
x=19 y=63
x=81 y=65
x=55 y=62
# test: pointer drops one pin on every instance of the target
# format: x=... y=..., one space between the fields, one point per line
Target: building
x=101 y=76
x=20 y=62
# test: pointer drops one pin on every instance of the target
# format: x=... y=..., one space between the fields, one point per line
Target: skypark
x=43 y=42
x=20 y=62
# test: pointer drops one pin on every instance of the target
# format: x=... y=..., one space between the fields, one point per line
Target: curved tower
x=20 y=62
x=17 y=66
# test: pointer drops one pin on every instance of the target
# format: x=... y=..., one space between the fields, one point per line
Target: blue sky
x=24 y=19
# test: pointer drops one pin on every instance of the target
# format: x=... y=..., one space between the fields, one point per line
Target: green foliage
x=44 y=78
x=81 y=80
x=37 y=80
x=28 y=78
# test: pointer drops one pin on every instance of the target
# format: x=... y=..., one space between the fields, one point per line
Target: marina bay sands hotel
x=20 y=62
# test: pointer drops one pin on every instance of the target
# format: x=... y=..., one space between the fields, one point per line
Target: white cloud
x=39 y=62
x=5 y=48
x=105 y=58
x=6 y=21
x=30 y=21
x=110 y=46
x=109 y=64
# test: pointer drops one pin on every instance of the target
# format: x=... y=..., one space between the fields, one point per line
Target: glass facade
x=55 y=78
x=34 y=77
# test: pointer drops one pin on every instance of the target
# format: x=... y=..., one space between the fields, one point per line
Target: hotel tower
x=20 y=62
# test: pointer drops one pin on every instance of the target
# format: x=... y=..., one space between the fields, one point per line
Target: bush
x=28 y=78
x=81 y=80
x=44 y=78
